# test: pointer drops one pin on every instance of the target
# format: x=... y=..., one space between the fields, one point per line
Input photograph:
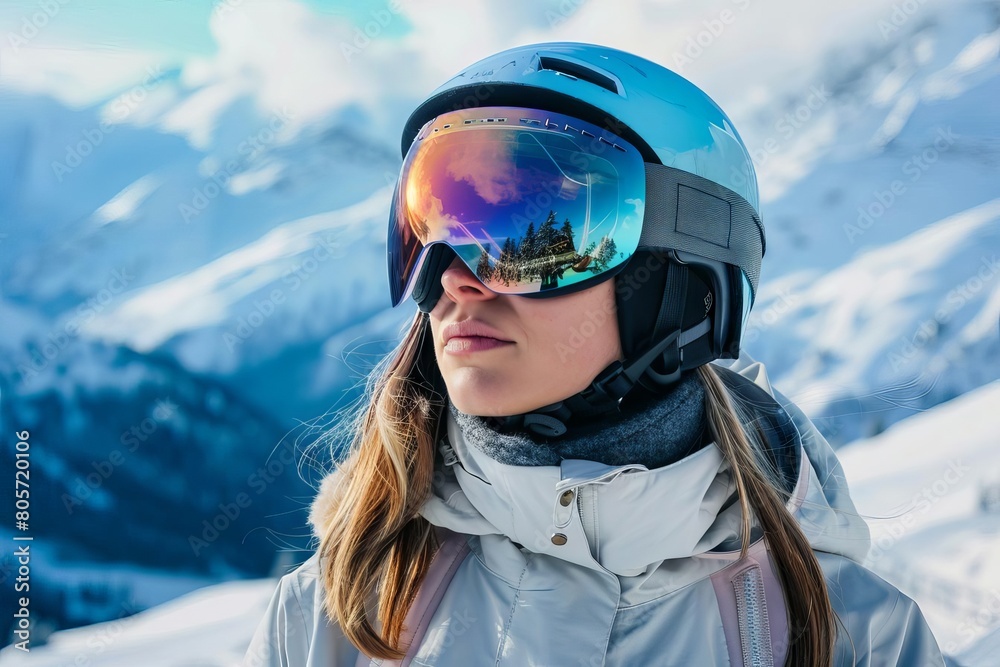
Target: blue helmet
x=684 y=296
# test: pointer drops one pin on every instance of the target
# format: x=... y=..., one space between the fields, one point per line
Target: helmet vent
x=577 y=71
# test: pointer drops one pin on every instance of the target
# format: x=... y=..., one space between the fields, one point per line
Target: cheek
x=598 y=319
x=581 y=325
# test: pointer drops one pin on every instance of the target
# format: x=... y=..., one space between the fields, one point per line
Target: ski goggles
x=535 y=203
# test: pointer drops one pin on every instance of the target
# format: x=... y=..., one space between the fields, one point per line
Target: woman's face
x=555 y=346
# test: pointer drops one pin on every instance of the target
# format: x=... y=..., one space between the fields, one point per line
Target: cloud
x=487 y=167
x=284 y=53
x=422 y=205
x=77 y=76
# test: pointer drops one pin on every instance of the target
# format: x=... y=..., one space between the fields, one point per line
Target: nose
x=461 y=285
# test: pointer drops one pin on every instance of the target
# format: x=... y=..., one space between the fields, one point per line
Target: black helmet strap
x=669 y=319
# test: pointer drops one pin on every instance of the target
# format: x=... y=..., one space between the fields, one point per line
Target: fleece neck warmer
x=654 y=430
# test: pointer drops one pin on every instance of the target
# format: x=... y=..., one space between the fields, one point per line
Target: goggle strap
x=693 y=214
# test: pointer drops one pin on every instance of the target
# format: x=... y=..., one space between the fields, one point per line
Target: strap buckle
x=613 y=382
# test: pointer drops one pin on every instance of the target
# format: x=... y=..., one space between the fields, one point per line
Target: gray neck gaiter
x=652 y=430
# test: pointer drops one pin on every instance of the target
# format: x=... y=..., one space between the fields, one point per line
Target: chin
x=480 y=404
x=473 y=389
x=476 y=407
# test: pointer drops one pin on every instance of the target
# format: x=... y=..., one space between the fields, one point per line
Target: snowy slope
x=213 y=296
x=880 y=291
x=210 y=627
x=259 y=317
x=150 y=201
x=896 y=330
x=922 y=486
x=906 y=138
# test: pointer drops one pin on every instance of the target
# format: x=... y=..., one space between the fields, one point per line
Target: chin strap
x=606 y=391
x=670 y=319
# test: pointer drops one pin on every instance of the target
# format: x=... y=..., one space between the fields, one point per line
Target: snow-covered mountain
x=881 y=283
x=138 y=464
x=897 y=329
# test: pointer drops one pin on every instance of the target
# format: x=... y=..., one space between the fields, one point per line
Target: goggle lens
x=530 y=200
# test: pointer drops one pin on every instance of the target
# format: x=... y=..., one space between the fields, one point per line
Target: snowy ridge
x=898 y=329
x=929 y=488
x=209 y=297
x=210 y=627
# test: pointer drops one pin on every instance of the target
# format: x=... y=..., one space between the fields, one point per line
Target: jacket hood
x=633 y=517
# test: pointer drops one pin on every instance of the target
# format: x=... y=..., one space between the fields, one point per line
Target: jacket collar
x=628 y=517
x=617 y=518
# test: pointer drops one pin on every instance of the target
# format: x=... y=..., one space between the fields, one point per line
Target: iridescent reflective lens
x=532 y=201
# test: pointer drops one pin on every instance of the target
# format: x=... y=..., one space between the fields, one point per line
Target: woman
x=558 y=466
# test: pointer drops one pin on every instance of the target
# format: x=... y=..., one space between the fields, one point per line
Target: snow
x=919 y=485
x=123 y=205
x=51 y=561
x=209 y=627
x=206 y=296
x=905 y=317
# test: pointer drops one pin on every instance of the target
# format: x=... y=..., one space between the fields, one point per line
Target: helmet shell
x=674 y=122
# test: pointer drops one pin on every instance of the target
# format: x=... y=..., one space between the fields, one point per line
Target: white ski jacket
x=641 y=578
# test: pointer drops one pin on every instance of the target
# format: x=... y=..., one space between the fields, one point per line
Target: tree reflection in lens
x=544 y=256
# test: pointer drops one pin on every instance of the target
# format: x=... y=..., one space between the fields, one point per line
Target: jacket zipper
x=751 y=607
x=585 y=504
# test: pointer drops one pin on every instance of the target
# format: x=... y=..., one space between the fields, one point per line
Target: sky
x=739 y=51
x=176 y=28
x=85 y=51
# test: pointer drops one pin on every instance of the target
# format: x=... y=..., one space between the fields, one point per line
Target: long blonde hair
x=375 y=548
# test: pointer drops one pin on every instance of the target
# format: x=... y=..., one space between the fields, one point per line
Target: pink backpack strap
x=752 y=606
x=450 y=554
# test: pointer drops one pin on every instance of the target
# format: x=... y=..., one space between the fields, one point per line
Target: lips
x=468 y=344
x=472 y=328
